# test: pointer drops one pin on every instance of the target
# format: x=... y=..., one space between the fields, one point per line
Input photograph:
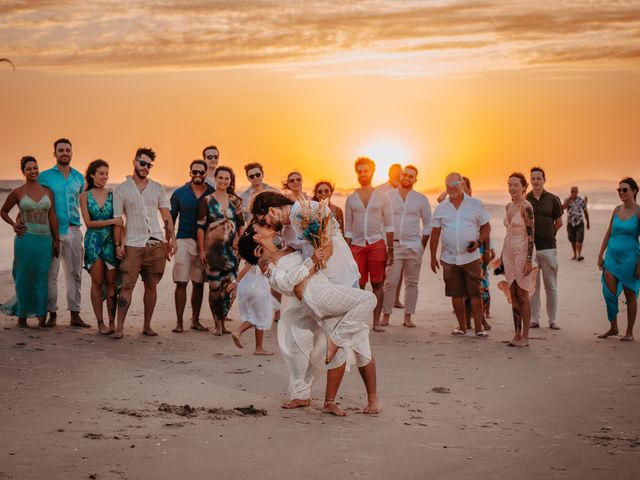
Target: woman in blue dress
x=36 y=242
x=621 y=265
x=96 y=204
x=220 y=225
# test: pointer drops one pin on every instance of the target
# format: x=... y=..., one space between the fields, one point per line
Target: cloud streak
x=145 y=34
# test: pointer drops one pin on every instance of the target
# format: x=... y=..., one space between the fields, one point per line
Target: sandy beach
x=79 y=405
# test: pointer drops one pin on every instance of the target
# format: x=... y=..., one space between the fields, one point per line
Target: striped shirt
x=140 y=210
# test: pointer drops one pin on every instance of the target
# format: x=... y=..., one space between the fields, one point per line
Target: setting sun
x=386 y=152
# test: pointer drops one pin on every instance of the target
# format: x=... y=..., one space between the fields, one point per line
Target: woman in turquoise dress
x=621 y=265
x=36 y=242
x=220 y=223
x=96 y=204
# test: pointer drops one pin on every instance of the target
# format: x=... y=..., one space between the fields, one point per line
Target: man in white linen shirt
x=368 y=222
x=463 y=223
x=410 y=208
x=395 y=174
x=144 y=252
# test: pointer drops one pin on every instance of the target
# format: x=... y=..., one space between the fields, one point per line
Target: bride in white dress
x=341 y=311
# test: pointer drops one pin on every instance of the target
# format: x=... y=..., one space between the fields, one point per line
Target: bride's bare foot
x=609 y=333
x=627 y=338
x=373 y=407
x=236 y=339
x=117 y=335
x=296 y=403
x=332 y=349
x=262 y=351
x=331 y=407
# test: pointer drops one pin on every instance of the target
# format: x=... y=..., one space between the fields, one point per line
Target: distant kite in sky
x=8 y=61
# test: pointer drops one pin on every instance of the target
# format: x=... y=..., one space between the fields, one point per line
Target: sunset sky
x=480 y=87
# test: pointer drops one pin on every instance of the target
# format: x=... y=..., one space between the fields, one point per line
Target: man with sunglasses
x=211 y=155
x=187 y=265
x=143 y=252
x=547 y=214
x=255 y=175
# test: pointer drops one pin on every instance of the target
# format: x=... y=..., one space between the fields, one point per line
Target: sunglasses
x=321 y=191
x=144 y=164
x=296 y=180
x=255 y=175
x=454 y=184
x=622 y=190
x=195 y=173
x=213 y=157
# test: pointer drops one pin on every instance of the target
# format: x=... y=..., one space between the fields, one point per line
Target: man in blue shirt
x=187 y=265
x=66 y=183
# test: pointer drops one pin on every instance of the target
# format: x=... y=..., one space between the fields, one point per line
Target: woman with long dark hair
x=220 y=223
x=36 y=242
x=96 y=204
x=621 y=265
x=323 y=190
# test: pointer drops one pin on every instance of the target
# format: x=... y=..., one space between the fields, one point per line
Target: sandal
x=482 y=334
x=458 y=333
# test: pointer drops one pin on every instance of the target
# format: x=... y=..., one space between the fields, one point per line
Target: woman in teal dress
x=96 y=204
x=36 y=242
x=621 y=265
x=220 y=224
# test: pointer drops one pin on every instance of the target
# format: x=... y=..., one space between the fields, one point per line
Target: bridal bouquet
x=317 y=225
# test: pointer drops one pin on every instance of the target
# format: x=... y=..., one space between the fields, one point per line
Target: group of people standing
x=380 y=239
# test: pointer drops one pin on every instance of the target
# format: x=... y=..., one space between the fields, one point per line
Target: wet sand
x=79 y=405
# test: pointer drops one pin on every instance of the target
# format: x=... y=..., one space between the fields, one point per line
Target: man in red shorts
x=368 y=220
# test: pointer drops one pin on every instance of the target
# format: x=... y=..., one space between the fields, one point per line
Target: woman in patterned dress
x=96 y=204
x=220 y=223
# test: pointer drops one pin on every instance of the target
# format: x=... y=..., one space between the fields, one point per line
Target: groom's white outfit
x=299 y=336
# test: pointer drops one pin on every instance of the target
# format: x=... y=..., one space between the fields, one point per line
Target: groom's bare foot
x=332 y=408
x=373 y=407
x=236 y=339
x=296 y=403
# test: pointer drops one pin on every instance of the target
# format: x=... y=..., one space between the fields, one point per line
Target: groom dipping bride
x=319 y=301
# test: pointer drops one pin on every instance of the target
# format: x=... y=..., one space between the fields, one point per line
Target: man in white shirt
x=463 y=224
x=395 y=174
x=211 y=155
x=255 y=175
x=368 y=222
x=410 y=209
x=144 y=252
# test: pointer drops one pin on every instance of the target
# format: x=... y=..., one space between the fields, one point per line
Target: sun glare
x=385 y=153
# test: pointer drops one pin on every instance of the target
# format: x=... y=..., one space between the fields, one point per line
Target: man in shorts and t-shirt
x=368 y=222
x=577 y=213
x=187 y=265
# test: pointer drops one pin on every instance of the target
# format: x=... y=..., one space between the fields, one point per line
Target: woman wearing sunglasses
x=323 y=190
x=621 y=265
x=292 y=187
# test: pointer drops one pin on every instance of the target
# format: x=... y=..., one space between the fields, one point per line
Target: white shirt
x=459 y=227
x=247 y=199
x=341 y=268
x=368 y=225
x=407 y=215
x=386 y=187
x=140 y=210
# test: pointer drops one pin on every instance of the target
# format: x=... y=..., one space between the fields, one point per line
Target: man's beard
x=140 y=174
x=64 y=160
x=197 y=180
x=405 y=184
x=364 y=181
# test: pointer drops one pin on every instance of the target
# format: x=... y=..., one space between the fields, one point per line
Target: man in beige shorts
x=187 y=265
